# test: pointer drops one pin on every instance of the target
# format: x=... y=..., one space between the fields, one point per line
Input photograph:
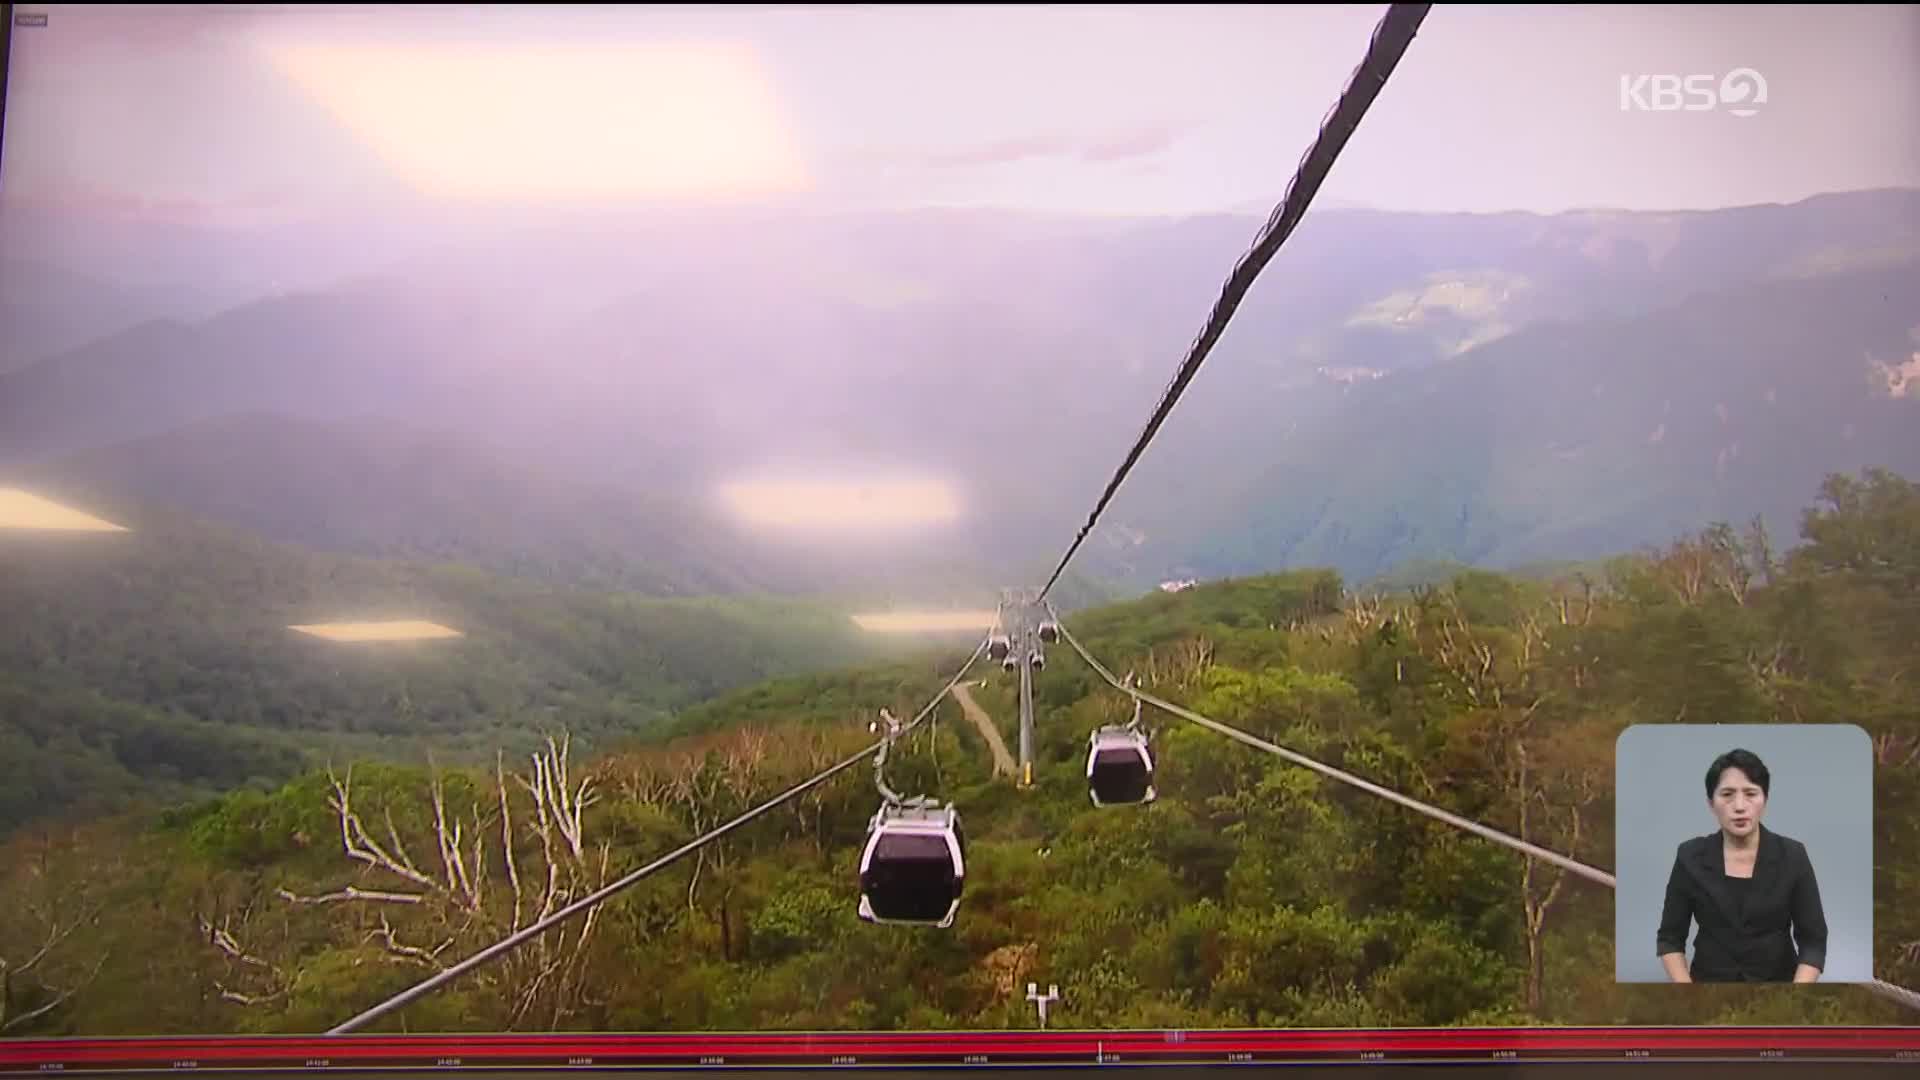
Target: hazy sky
x=231 y=112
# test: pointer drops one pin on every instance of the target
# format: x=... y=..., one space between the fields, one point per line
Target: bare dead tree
x=459 y=883
x=46 y=962
x=645 y=782
x=506 y=838
x=1364 y=613
x=1759 y=550
x=1580 y=613
x=1688 y=566
x=350 y=893
x=1895 y=750
x=548 y=968
x=360 y=846
x=15 y=973
x=820 y=752
x=1502 y=676
x=428 y=958
x=247 y=977
x=1540 y=818
x=432 y=912
x=696 y=790
x=556 y=799
x=1192 y=658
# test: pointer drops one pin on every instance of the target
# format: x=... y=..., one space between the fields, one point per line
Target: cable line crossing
x=1390 y=40
x=1371 y=788
x=1598 y=876
x=605 y=893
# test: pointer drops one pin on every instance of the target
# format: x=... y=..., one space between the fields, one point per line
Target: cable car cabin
x=998 y=646
x=1011 y=663
x=1039 y=660
x=913 y=868
x=1049 y=631
x=1119 y=768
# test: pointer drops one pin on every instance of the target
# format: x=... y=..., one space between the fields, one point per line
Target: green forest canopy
x=1252 y=893
x=158 y=664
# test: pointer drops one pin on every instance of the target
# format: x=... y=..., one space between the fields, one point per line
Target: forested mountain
x=379 y=487
x=1252 y=893
x=382 y=489
x=46 y=309
x=134 y=663
x=1391 y=389
x=1565 y=440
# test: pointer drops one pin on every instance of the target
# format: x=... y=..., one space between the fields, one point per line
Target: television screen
x=676 y=537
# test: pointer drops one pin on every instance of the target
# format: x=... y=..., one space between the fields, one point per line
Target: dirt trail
x=1003 y=764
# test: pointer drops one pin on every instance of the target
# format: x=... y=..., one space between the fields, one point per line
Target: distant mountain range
x=164 y=656
x=558 y=401
x=46 y=310
x=1584 y=438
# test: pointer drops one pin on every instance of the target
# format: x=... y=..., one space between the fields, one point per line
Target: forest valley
x=1251 y=893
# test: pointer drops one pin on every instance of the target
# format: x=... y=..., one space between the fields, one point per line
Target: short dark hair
x=1746 y=761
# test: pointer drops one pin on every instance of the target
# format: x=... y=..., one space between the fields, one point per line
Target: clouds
x=1059 y=109
x=1109 y=148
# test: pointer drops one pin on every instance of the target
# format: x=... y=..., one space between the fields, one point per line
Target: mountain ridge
x=648 y=381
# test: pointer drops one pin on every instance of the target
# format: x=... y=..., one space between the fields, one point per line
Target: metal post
x=1026 y=707
x=1043 y=1000
x=1017 y=610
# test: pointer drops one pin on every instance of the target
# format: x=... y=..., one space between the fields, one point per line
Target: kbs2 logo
x=1741 y=92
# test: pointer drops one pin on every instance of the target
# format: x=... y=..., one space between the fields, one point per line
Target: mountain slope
x=1012 y=358
x=1251 y=893
x=594 y=332
x=1567 y=440
x=46 y=309
x=179 y=629
x=386 y=489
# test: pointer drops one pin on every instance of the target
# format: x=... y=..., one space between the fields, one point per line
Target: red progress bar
x=693 y=1048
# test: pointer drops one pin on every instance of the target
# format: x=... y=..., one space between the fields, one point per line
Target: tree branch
x=352 y=893
x=424 y=957
x=60 y=999
x=246 y=999
x=55 y=935
x=358 y=845
x=506 y=833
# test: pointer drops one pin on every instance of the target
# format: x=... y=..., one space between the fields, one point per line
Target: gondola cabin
x=1119 y=768
x=998 y=646
x=913 y=867
x=1039 y=660
x=1049 y=631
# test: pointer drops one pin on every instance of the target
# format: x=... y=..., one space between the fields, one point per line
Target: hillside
x=385 y=489
x=1403 y=369
x=162 y=656
x=1250 y=894
x=1567 y=440
x=46 y=309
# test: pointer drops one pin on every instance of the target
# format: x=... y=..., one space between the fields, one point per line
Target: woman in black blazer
x=1751 y=891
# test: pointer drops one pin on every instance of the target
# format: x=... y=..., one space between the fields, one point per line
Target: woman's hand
x=1806 y=973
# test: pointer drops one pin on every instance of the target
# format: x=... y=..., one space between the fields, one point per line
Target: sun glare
x=924 y=622
x=804 y=505
x=394 y=630
x=557 y=122
x=25 y=510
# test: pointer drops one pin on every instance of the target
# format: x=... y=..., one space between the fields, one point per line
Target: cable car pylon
x=1023 y=632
